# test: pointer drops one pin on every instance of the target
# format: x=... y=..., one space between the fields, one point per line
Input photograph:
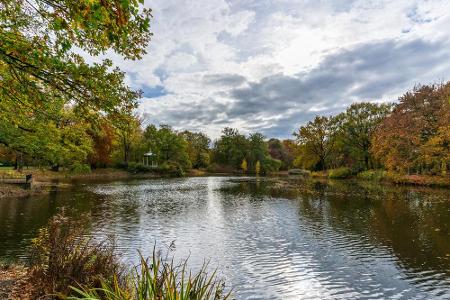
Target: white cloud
x=204 y=50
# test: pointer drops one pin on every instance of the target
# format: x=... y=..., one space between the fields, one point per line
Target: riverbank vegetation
x=406 y=142
x=66 y=264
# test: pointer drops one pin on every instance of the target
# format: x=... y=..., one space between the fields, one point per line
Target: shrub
x=80 y=168
x=139 y=168
x=339 y=173
x=270 y=165
x=375 y=175
x=62 y=256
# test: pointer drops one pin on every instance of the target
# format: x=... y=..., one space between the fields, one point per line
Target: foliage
x=317 y=140
x=373 y=175
x=49 y=94
x=197 y=148
x=103 y=137
x=167 y=145
x=67 y=265
x=62 y=257
x=339 y=173
x=414 y=138
x=138 y=168
x=284 y=151
x=355 y=129
x=257 y=168
x=158 y=279
x=231 y=148
x=302 y=172
x=244 y=165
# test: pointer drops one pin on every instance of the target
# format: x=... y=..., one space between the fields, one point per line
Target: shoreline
x=45 y=180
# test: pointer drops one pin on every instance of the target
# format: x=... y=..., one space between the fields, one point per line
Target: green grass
x=6 y=168
x=339 y=173
x=373 y=175
x=156 y=279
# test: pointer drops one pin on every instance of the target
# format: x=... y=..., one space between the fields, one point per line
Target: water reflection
x=271 y=238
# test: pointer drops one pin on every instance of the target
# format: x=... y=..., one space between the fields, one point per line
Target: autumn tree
x=317 y=141
x=197 y=148
x=284 y=151
x=244 y=165
x=414 y=138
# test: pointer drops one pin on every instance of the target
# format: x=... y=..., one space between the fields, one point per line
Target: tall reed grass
x=156 y=279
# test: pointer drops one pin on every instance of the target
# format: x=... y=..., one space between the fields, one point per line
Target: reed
x=155 y=278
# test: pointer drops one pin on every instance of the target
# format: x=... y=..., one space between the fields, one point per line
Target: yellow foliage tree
x=244 y=165
x=258 y=167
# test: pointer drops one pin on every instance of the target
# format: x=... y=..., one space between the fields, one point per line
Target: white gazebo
x=149 y=160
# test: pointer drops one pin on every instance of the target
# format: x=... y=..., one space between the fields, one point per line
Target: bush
x=270 y=165
x=80 y=168
x=139 y=168
x=62 y=256
x=374 y=175
x=339 y=173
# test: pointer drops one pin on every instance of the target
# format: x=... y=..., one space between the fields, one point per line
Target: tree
x=103 y=137
x=129 y=134
x=414 y=138
x=197 y=148
x=317 y=141
x=231 y=148
x=167 y=145
x=244 y=165
x=42 y=77
x=257 y=168
x=284 y=151
x=355 y=129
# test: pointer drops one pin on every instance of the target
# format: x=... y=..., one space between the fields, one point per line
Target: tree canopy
x=46 y=84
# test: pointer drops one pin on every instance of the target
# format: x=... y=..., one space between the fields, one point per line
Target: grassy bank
x=385 y=176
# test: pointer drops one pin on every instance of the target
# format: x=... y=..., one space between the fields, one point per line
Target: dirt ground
x=14 y=283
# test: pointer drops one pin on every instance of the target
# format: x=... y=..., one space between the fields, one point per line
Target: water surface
x=270 y=238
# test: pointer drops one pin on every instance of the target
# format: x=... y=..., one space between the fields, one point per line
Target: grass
x=158 y=280
x=339 y=173
x=372 y=175
x=65 y=264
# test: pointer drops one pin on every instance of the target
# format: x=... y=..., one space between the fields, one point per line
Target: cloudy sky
x=270 y=66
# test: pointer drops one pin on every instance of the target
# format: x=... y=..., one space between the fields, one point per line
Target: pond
x=270 y=238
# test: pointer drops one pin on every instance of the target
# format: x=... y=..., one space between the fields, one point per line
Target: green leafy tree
x=197 y=148
x=355 y=129
x=231 y=148
x=167 y=145
x=41 y=75
x=317 y=141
